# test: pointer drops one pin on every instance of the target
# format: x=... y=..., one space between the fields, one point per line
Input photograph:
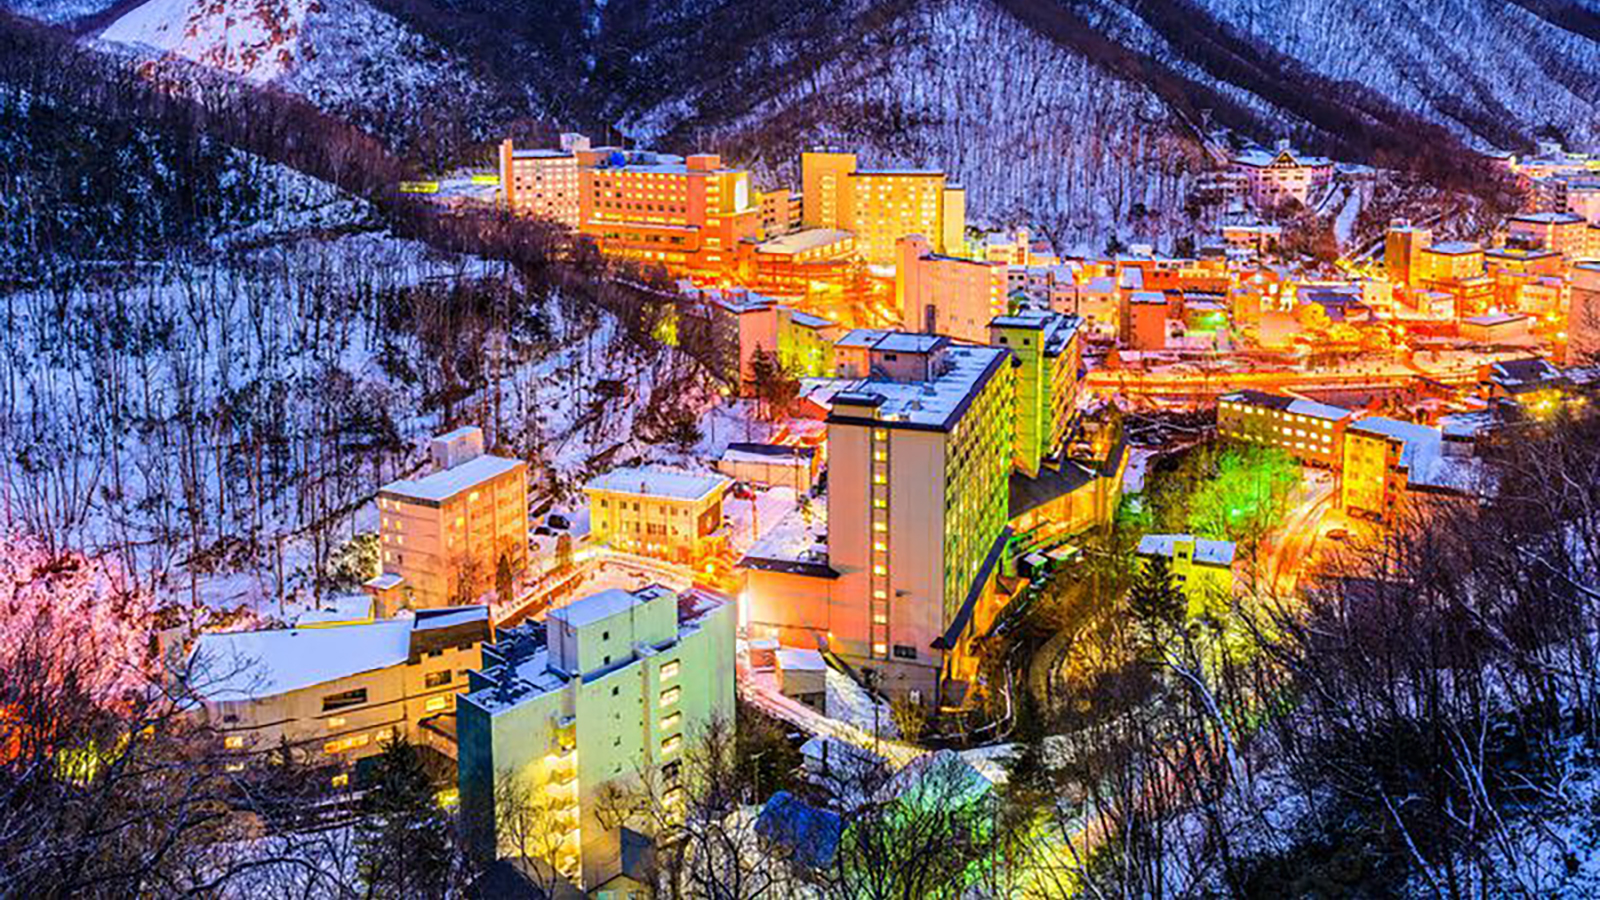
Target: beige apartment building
x=444 y=537
x=880 y=206
x=1312 y=432
x=542 y=182
x=657 y=511
x=939 y=294
x=337 y=693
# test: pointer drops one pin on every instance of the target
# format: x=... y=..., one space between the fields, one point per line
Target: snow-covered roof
x=1548 y=218
x=385 y=581
x=914 y=172
x=599 y=606
x=801 y=241
x=241 y=665
x=1418 y=442
x=540 y=153
x=346 y=608
x=1454 y=248
x=446 y=483
x=1258 y=158
x=1492 y=319
x=658 y=481
x=938 y=401
x=1207 y=552
x=1294 y=405
x=796 y=659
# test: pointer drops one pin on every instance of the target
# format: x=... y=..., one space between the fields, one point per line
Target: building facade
x=1281 y=175
x=336 y=694
x=1048 y=351
x=1402 y=252
x=939 y=294
x=1200 y=567
x=612 y=690
x=443 y=538
x=1311 y=432
x=689 y=213
x=541 y=182
x=1381 y=456
x=880 y=206
x=655 y=511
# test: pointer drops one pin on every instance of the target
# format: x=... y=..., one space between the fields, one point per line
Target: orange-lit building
x=542 y=182
x=780 y=212
x=689 y=213
x=1565 y=233
x=1449 y=260
x=1144 y=321
x=938 y=294
x=882 y=205
x=1278 y=175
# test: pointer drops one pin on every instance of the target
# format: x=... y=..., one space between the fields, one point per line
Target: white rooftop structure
x=247 y=665
x=603 y=605
x=801 y=241
x=936 y=401
x=658 y=481
x=447 y=483
x=1207 y=552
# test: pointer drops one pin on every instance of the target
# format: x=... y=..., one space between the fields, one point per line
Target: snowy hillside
x=1032 y=130
x=1426 y=58
x=345 y=56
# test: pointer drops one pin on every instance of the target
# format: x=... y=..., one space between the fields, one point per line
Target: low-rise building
x=335 y=694
x=1495 y=328
x=1532 y=383
x=614 y=688
x=446 y=536
x=1275 y=176
x=1448 y=260
x=777 y=465
x=1563 y=232
x=1385 y=458
x=1202 y=568
x=1144 y=320
x=1311 y=432
x=656 y=511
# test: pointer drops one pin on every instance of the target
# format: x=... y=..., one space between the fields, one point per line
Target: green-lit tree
x=404 y=838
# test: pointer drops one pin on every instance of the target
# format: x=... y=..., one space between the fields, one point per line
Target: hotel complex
x=880 y=206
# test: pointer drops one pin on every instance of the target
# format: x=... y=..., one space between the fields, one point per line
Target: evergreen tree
x=504 y=580
x=1157 y=603
x=404 y=837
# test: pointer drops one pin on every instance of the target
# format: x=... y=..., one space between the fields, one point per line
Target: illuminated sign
x=419 y=187
x=486 y=179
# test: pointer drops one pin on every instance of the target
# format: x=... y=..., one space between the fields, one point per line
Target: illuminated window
x=880 y=479
x=436 y=679
x=233 y=743
x=880 y=546
x=235 y=767
x=669 y=670
x=880 y=649
x=671 y=723
x=880 y=618
x=880 y=594
x=880 y=570
x=880 y=503
x=340 y=780
x=436 y=704
x=669 y=697
x=336 y=722
x=671 y=744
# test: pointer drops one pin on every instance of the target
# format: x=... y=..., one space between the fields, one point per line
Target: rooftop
x=604 y=605
x=907 y=171
x=1493 y=319
x=1295 y=405
x=801 y=241
x=247 y=665
x=797 y=544
x=658 y=481
x=937 y=402
x=446 y=483
x=541 y=153
x=1419 y=442
x=1207 y=552
x=1549 y=218
x=1454 y=248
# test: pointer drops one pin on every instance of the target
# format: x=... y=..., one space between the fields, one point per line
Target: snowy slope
x=1033 y=131
x=256 y=39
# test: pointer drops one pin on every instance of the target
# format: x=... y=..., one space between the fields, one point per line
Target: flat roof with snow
x=658 y=481
x=603 y=605
x=446 y=483
x=937 y=403
x=801 y=241
x=1207 y=552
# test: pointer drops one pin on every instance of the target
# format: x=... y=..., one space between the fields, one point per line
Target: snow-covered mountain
x=1080 y=113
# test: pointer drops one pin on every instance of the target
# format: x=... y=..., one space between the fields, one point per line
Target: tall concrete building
x=880 y=206
x=688 y=212
x=1402 y=251
x=1048 y=351
x=614 y=687
x=939 y=294
x=542 y=182
x=444 y=537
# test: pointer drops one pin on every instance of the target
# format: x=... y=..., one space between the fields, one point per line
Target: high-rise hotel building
x=542 y=182
x=881 y=205
x=690 y=213
x=919 y=457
